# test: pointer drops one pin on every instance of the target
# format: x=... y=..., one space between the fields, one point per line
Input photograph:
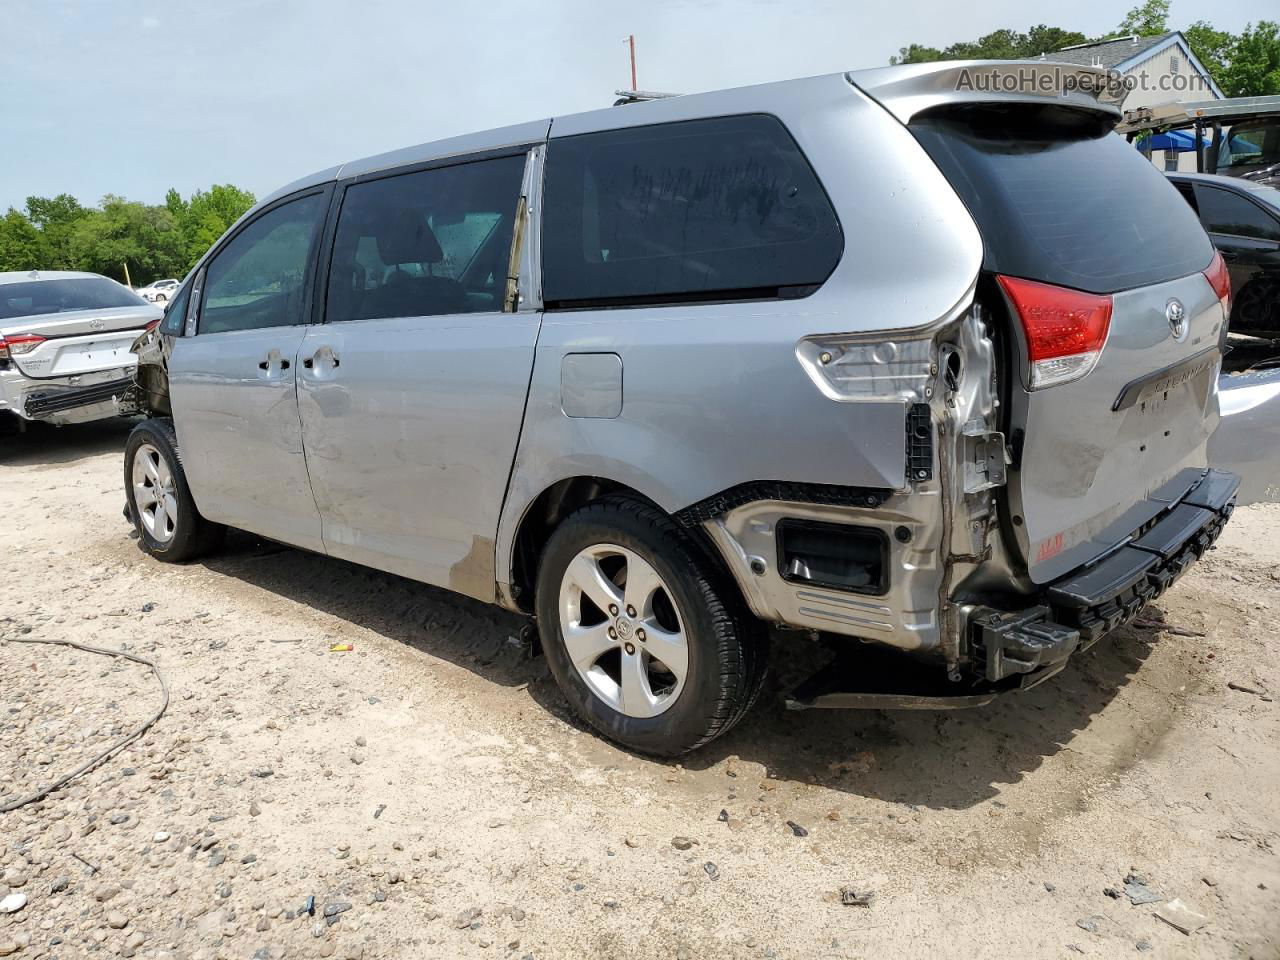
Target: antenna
x=631 y=42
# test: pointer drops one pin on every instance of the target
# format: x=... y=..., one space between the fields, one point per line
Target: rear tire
x=159 y=503
x=672 y=601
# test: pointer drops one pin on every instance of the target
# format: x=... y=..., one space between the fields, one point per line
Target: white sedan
x=64 y=345
x=158 y=291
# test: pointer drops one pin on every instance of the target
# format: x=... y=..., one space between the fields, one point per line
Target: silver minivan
x=882 y=358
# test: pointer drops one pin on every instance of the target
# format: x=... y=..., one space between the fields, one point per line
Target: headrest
x=408 y=240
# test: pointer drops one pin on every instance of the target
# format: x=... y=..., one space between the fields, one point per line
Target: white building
x=1162 y=69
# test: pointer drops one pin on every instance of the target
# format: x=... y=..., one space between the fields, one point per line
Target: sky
x=132 y=98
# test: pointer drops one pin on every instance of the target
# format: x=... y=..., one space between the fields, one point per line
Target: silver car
x=876 y=357
x=65 y=343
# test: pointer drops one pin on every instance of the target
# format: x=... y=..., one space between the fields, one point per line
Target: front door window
x=259 y=278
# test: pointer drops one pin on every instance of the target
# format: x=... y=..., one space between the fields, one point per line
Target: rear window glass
x=724 y=208
x=31 y=298
x=1061 y=199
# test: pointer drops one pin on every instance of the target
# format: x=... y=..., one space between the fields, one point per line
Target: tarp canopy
x=1183 y=141
x=1179 y=141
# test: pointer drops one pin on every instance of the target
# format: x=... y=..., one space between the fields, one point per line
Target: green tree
x=207 y=215
x=56 y=218
x=1254 y=67
x=20 y=247
x=46 y=211
x=174 y=203
x=58 y=233
x=1212 y=47
x=228 y=202
x=997 y=45
x=1247 y=65
x=916 y=54
x=144 y=237
x=1148 y=20
x=1046 y=39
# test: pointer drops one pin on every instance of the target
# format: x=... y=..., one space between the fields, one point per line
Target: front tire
x=645 y=636
x=169 y=526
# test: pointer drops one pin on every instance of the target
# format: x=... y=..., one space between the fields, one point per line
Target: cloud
x=150 y=23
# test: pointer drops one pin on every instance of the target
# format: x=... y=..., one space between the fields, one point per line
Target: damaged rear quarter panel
x=714 y=394
x=151 y=375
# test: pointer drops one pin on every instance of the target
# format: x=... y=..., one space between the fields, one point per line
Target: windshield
x=1254 y=143
x=37 y=297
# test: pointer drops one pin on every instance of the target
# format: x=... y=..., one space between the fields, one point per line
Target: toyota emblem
x=1176 y=314
x=97 y=324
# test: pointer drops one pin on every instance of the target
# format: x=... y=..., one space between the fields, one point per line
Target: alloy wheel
x=622 y=630
x=153 y=493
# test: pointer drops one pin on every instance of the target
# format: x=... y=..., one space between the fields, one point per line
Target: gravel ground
x=431 y=793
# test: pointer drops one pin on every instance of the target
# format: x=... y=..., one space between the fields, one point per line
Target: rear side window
x=1222 y=211
x=726 y=208
x=1061 y=199
x=427 y=243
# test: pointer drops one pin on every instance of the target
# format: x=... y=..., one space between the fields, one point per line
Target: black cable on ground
x=110 y=751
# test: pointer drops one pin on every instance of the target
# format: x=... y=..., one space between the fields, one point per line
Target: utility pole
x=127 y=282
x=631 y=42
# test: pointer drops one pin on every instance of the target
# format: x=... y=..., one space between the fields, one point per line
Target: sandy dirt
x=431 y=792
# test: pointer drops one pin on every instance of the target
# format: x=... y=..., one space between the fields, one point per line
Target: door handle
x=321 y=354
x=266 y=365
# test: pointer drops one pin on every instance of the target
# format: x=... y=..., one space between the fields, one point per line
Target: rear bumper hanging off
x=1015 y=650
x=1080 y=608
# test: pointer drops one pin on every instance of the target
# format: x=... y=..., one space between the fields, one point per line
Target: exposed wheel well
x=540 y=520
x=557 y=502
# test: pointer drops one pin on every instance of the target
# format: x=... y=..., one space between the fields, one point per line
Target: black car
x=1243 y=220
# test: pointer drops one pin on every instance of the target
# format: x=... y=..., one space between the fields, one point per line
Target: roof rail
x=639 y=96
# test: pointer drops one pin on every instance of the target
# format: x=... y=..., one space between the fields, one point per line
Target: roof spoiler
x=906 y=91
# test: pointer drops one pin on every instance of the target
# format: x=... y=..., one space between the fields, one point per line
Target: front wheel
x=645 y=636
x=158 y=499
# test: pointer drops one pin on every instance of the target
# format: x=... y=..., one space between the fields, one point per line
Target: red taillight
x=153 y=324
x=16 y=344
x=1065 y=329
x=1220 y=280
